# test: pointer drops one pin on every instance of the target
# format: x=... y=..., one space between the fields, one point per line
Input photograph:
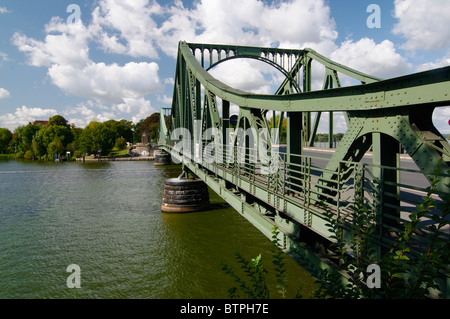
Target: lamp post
x=68 y=155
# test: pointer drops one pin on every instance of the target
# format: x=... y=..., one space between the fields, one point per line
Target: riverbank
x=116 y=159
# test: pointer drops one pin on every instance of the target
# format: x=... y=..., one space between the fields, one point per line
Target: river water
x=106 y=219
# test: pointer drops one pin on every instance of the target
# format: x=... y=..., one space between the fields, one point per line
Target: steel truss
x=269 y=187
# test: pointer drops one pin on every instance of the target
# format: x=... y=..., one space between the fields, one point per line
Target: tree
x=60 y=132
x=23 y=137
x=122 y=128
x=96 y=138
x=55 y=147
x=137 y=131
x=38 y=147
x=58 y=120
x=150 y=124
x=121 y=143
x=5 y=139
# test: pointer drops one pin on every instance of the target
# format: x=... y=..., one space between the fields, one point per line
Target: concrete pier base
x=162 y=158
x=184 y=195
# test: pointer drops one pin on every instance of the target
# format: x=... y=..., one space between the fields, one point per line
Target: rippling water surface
x=106 y=218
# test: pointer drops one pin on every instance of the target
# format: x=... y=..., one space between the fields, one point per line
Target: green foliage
x=55 y=148
x=23 y=137
x=280 y=271
x=150 y=124
x=58 y=120
x=28 y=155
x=96 y=138
x=413 y=276
x=121 y=143
x=323 y=137
x=257 y=288
x=283 y=130
x=5 y=139
x=119 y=129
x=38 y=146
x=19 y=155
x=256 y=285
x=56 y=132
x=404 y=274
x=58 y=137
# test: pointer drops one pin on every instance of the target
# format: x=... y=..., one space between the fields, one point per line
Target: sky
x=111 y=59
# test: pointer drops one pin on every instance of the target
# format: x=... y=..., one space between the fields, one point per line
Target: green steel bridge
x=241 y=160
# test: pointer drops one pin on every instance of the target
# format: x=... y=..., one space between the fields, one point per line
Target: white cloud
x=292 y=24
x=84 y=113
x=424 y=23
x=245 y=75
x=441 y=118
x=65 y=52
x=24 y=115
x=165 y=100
x=339 y=123
x=108 y=83
x=91 y=110
x=65 y=44
x=126 y=27
x=4 y=56
x=439 y=63
x=366 y=56
x=138 y=108
x=4 y=94
x=4 y=10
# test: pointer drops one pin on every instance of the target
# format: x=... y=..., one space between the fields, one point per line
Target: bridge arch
x=275 y=65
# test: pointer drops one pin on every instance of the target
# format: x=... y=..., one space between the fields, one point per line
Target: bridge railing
x=286 y=181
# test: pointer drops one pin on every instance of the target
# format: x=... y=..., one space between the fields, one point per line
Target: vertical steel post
x=225 y=128
x=330 y=131
x=386 y=153
x=294 y=146
x=307 y=88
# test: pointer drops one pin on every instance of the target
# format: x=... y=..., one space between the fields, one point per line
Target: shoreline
x=102 y=159
x=114 y=159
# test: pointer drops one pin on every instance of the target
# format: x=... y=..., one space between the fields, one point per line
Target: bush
x=19 y=154
x=28 y=155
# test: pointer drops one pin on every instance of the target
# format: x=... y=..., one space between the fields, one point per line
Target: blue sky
x=118 y=60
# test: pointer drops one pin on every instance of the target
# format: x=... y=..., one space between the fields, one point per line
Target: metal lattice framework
x=386 y=117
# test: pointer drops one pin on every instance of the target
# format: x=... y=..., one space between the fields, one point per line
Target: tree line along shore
x=57 y=139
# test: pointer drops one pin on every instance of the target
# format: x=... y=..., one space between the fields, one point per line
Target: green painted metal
x=288 y=189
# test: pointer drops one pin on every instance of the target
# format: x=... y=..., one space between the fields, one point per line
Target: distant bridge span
x=244 y=165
